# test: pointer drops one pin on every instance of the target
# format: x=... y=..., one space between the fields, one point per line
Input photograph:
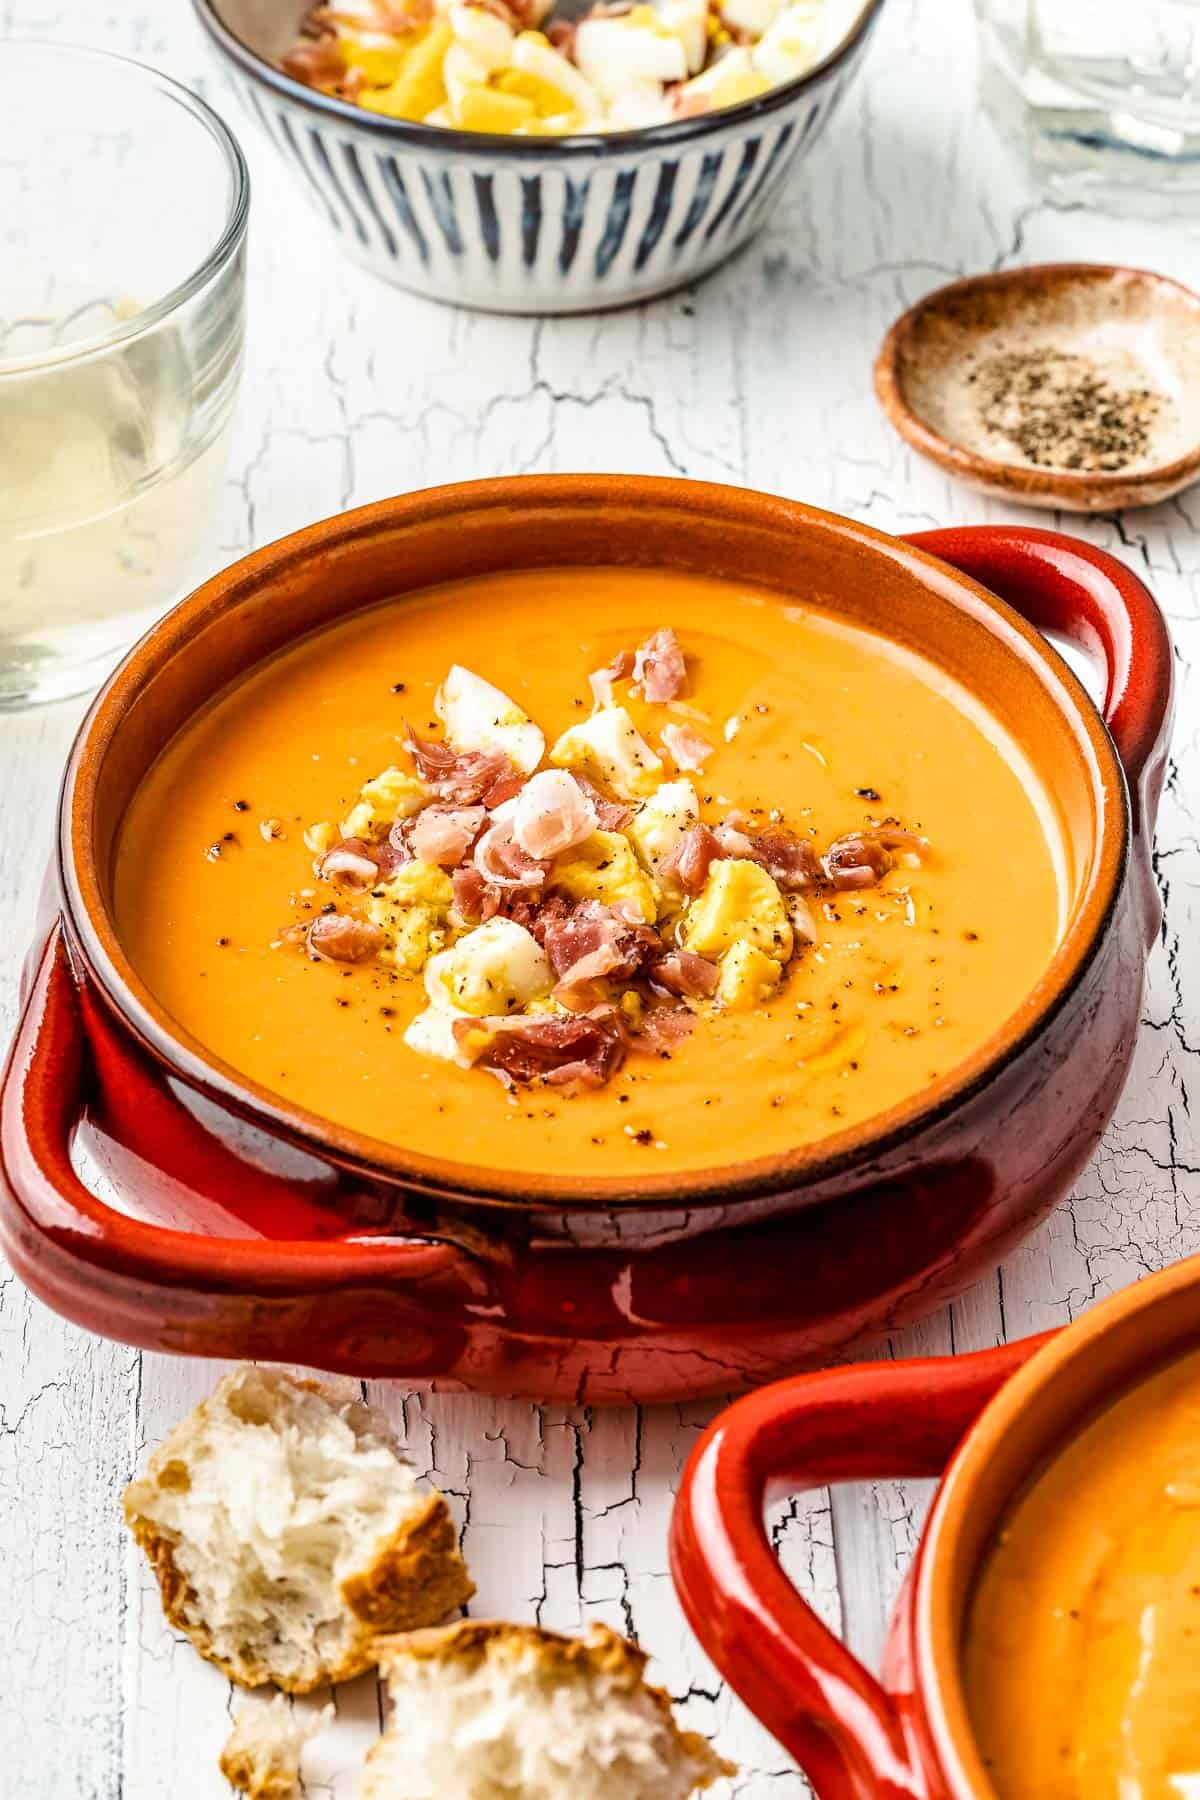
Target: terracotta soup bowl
x=226 y=1222
x=908 y=1733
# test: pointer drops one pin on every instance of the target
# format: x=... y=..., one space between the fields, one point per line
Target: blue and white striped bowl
x=530 y=225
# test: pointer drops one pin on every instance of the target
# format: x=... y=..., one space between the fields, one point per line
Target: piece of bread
x=287 y=1531
x=262 y=1753
x=488 y=1711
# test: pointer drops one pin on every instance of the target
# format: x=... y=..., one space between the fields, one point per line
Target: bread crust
x=601 y=1651
x=415 y=1577
x=245 y=1771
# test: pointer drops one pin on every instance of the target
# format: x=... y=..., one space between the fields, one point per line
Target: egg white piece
x=537 y=58
x=791 y=44
x=688 y=19
x=431 y=1033
x=611 y=746
x=477 y=716
x=498 y=968
x=661 y=825
x=488 y=38
x=616 y=56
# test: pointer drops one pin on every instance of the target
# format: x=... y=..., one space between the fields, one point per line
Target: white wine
x=106 y=498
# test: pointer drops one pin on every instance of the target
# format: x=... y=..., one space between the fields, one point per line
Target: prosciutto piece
x=659 y=668
x=594 y=941
x=863 y=858
x=463 y=778
x=340 y=937
x=552 y=814
x=689 y=862
x=583 y=1050
x=791 y=862
x=662 y=1027
x=442 y=835
x=601 y=680
x=684 y=973
x=501 y=861
x=689 y=748
x=351 y=863
x=611 y=815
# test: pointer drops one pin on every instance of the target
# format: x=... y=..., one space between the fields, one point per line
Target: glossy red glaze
x=994 y=1417
x=239 y=1227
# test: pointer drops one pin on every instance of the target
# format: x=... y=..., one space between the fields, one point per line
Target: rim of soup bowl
x=93 y=929
x=1101 y=1355
x=414 y=134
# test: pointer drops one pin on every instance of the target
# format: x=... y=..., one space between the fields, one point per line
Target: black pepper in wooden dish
x=1061 y=412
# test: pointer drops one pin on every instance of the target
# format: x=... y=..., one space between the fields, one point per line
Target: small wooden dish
x=1138 y=328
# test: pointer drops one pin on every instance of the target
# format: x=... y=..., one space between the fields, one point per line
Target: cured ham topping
x=463 y=777
x=689 y=748
x=863 y=858
x=579 y=1050
x=684 y=973
x=689 y=863
x=351 y=863
x=552 y=814
x=592 y=942
x=659 y=668
x=501 y=860
x=601 y=680
x=442 y=835
x=611 y=815
x=663 y=1027
x=340 y=937
x=791 y=862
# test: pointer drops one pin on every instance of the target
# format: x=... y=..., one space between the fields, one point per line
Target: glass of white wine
x=122 y=284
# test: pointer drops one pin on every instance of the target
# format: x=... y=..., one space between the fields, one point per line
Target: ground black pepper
x=1061 y=411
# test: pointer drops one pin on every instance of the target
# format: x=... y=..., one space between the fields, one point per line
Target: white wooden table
x=760 y=377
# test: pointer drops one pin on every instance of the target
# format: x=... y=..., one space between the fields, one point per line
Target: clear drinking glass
x=122 y=239
x=1104 y=95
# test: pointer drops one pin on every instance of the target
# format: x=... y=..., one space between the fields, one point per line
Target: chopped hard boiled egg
x=480 y=66
x=660 y=826
x=411 y=909
x=738 y=901
x=605 y=868
x=484 y=35
x=617 y=54
x=791 y=42
x=610 y=747
x=431 y=1033
x=477 y=716
x=394 y=794
x=748 y=977
x=497 y=968
x=726 y=82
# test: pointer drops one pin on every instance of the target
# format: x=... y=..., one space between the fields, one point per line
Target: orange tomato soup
x=811 y=718
x=1083 y=1679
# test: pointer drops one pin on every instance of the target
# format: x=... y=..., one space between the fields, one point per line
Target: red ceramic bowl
x=906 y=1736
x=236 y=1225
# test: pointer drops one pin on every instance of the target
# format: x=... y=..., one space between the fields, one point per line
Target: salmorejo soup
x=1083 y=1681
x=593 y=870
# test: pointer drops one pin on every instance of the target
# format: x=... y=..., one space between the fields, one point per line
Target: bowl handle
x=872 y=1421
x=76 y=1251
x=1065 y=587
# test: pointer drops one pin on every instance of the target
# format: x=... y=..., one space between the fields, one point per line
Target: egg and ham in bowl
x=509 y=66
x=564 y=917
x=581 y=869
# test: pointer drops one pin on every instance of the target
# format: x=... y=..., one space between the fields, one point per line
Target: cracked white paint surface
x=762 y=377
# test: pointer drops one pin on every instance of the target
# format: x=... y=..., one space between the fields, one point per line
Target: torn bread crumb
x=489 y=1711
x=263 y=1751
x=286 y=1531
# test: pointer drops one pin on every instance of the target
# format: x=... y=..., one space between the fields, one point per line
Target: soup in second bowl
x=607 y=871
x=1082 y=1664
